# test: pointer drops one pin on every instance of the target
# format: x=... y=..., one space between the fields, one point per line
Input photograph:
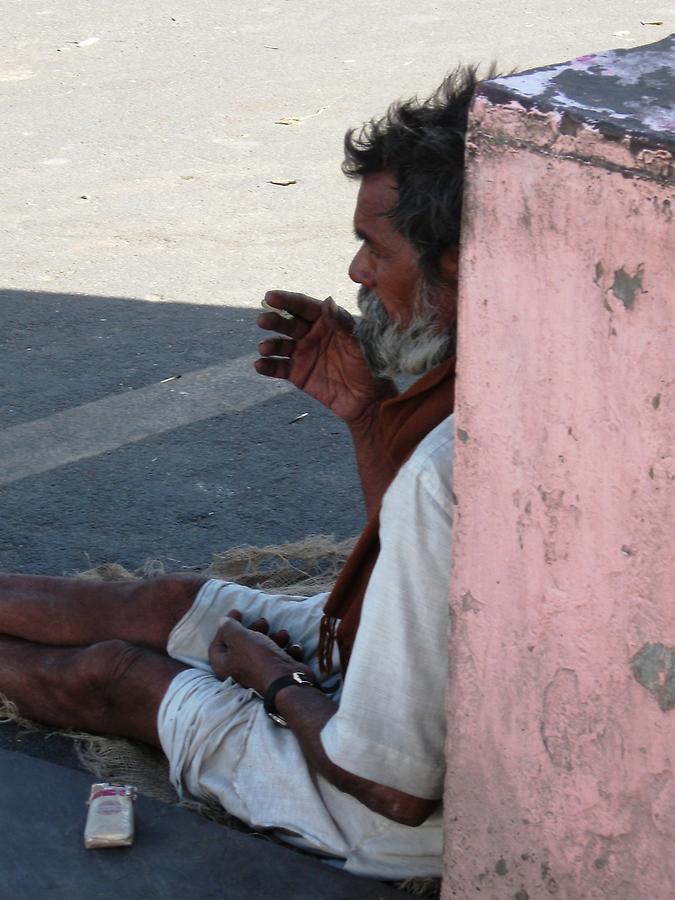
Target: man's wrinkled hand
x=253 y=656
x=316 y=350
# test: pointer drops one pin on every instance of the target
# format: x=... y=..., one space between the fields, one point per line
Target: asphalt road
x=142 y=433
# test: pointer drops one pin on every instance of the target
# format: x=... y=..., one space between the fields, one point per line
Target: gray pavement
x=103 y=459
x=213 y=863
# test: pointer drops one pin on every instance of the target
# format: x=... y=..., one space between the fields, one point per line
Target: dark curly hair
x=422 y=143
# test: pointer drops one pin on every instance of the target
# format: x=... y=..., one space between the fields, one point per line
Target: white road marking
x=120 y=419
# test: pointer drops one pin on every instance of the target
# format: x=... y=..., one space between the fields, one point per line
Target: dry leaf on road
x=296 y=120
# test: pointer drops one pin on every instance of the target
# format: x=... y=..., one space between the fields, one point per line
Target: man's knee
x=156 y=605
x=120 y=688
x=89 y=681
x=106 y=669
x=174 y=593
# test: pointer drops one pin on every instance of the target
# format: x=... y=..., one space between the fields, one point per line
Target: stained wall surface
x=561 y=704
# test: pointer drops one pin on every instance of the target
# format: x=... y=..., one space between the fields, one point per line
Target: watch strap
x=297 y=678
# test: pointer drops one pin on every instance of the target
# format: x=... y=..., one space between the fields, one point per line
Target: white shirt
x=390 y=725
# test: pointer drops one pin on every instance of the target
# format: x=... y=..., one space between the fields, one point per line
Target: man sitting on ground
x=357 y=676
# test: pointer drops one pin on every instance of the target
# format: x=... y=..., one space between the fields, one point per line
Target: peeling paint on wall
x=654 y=668
x=559 y=514
x=634 y=87
x=562 y=721
x=469 y=602
x=626 y=287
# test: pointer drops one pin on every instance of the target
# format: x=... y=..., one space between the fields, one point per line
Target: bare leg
x=111 y=687
x=74 y=612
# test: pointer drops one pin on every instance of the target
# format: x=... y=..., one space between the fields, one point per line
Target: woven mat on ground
x=303 y=568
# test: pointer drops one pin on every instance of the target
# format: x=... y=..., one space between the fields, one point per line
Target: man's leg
x=112 y=687
x=76 y=612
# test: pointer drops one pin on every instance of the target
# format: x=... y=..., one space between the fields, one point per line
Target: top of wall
x=621 y=93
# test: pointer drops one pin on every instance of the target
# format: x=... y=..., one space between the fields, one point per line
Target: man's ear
x=450 y=265
x=450 y=281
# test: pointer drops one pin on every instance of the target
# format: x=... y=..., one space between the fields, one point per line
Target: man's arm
x=307 y=710
x=317 y=351
x=254 y=660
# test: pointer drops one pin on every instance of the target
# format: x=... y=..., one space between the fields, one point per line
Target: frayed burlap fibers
x=302 y=568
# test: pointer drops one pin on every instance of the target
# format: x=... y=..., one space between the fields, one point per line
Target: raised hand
x=316 y=350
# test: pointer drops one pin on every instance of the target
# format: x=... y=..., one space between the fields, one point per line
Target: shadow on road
x=80 y=377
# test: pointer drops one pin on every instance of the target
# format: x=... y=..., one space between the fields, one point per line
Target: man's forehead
x=378 y=193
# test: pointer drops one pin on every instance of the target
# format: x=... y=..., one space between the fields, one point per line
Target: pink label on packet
x=108 y=792
x=109 y=807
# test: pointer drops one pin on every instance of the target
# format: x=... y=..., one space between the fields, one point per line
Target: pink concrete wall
x=560 y=763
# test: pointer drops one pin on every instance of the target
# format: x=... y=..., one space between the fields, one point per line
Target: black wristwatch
x=277 y=685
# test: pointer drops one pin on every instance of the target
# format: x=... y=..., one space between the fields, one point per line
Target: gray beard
x=392 y=350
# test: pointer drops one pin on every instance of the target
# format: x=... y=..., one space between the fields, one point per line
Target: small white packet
x=110 y=819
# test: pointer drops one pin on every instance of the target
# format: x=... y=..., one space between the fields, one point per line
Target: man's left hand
x=251 y=656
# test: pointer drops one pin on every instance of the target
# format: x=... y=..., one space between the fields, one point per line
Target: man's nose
x=359 y=270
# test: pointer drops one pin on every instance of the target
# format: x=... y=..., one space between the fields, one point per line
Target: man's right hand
x=316 y=350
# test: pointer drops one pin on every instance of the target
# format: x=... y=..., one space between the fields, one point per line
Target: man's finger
x=277 y=347
x=229 y=625
x=293 y=328
x=344 y=320
x=261 y=625
x=234 y=614
x=299 y=305
x=273 y=367
x=280 y=638
x=296 y=650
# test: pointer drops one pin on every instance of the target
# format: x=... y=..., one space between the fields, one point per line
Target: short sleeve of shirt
x=390 y=724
